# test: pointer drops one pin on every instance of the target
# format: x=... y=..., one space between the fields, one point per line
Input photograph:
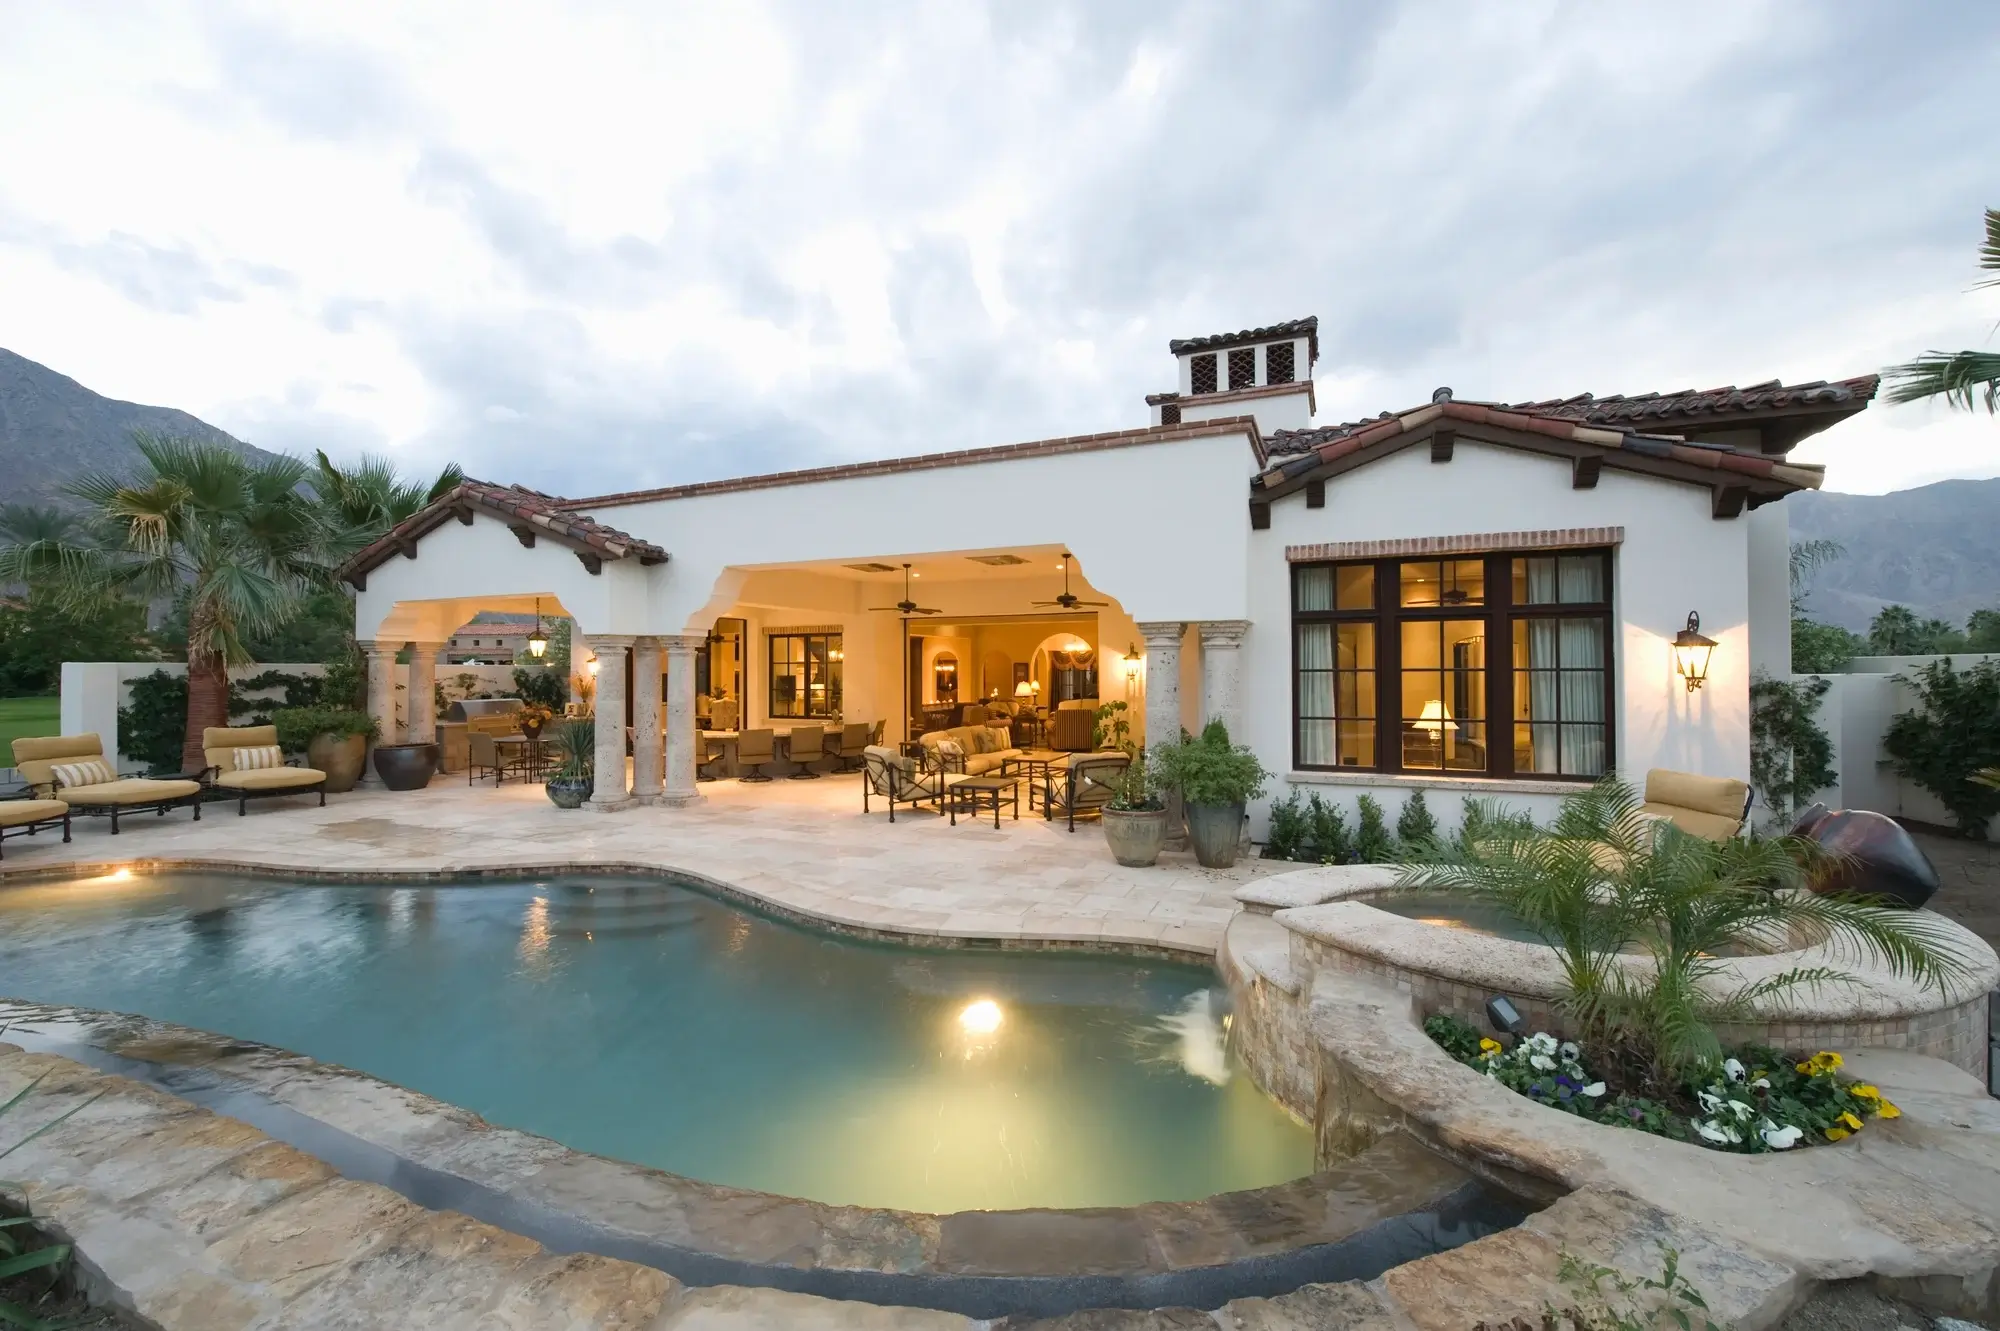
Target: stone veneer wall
x=1958 y=1035
x=1267 y=1031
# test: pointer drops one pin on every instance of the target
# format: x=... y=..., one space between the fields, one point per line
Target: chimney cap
x=1249 y=337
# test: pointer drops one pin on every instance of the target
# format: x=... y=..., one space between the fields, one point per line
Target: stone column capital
x=683 y=644
x=378 y=646
x=611 y=641
x=1225 y=634
x=1162 y=633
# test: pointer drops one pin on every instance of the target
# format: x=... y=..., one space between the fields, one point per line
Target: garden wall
x=1855 y=713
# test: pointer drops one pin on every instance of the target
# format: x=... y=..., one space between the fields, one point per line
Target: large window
x=1487 y=665
x=805 y=674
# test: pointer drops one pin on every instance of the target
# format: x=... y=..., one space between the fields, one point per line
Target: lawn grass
x=27 y=716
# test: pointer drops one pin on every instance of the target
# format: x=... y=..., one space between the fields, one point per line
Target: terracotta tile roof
x=1307 y=328
x=516 y=505
x=1298 y=452
x=1708 y=404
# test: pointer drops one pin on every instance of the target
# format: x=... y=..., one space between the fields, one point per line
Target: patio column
x=681 y=737
x=381 y=658
x=422 y=705
x=1163 y=706
x=646 y=754
x=1222 y=674
x=610 y=792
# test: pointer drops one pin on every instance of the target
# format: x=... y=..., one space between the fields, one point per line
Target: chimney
x=1261 y=372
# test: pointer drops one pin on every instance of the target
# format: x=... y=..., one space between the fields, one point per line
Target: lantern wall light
x=1691 y=653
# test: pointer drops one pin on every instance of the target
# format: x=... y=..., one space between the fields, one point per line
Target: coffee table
x=1033 y=764
x=966 y=795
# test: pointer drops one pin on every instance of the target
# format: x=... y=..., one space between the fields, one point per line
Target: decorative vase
x=1880 y=859
x=1135 y=836
x=1215 y=831
x=533 y=730
x=569 y=794
x=341 y=757
x=406 y=766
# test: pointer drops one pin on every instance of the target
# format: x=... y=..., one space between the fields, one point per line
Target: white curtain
x=1316 y=746
x=1583 y=698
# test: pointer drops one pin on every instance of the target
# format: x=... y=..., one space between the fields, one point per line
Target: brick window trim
x=1477 y=544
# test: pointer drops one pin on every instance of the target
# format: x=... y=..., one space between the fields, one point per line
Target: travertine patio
x=802 y=847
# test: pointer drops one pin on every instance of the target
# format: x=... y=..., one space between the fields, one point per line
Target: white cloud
x=599 y=244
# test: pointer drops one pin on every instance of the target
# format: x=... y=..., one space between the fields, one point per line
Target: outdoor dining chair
x=755 y=750
x=853 y=743
x=806 y=747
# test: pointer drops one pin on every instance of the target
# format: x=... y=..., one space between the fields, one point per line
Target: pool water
x=645 y=1021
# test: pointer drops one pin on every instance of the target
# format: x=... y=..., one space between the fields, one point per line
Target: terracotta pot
x=569 y=794
x=1135 y=835
x=406 y=766
x=1215 y=831
x=341 y=757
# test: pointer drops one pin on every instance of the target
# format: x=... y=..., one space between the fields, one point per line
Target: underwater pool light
x=980 y=1017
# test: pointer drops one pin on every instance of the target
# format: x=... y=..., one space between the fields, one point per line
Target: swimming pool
x=637 y=1019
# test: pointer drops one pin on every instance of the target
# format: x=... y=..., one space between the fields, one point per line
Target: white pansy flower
x=1709 y=1101
x=1780 y=1139
x=1732 y=1069
x=1542 y=1042
x=1762 y=1083
x=1740 y=1109
x=1541 y=1062
x=1570 y=1052
x=1594 y=1090
x=1711 y=1131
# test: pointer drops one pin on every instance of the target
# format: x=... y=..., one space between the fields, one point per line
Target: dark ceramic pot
x=406 y=766
x=1879 y=859
x=569 y=794
x=1215 y=831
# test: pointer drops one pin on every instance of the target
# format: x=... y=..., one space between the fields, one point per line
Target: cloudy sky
x=597 y=246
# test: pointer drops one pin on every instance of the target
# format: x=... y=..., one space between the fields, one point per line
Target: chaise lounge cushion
x=36 y=758
x=242 y=757
x=270 y=778
x=1705 y=806
x=19 y=813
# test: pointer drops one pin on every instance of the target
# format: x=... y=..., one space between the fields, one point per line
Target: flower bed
x=1754 y=1101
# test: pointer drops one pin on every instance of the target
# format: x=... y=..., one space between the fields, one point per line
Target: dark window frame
x=832 y=659
x=1499 y=613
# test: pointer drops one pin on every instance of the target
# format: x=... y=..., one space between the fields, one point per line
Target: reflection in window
x=805 y=674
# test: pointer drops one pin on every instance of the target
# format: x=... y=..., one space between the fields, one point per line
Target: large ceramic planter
x=569 y=794
x=406 y=766
x=341 y=757
x=1878 y=858
x=1135 y=835
x=1215 y=830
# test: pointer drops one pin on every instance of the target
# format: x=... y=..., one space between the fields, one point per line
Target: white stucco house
x=1465 y=597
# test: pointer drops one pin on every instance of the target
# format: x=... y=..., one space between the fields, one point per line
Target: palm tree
x=1606 y=880
x=1961 y=378
x=239 y=539
x=32 y=539
x=361 y=502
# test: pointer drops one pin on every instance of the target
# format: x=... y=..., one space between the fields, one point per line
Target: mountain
x=1935 y=549
x=53 y=430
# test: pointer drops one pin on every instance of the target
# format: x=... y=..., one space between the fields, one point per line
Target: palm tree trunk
x=208 y=704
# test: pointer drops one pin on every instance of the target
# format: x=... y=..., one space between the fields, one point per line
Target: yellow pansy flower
x=1863 y=1091
x=1488 y=1045
x=1887 y=1110
x=1838 y=1134
x=1853 y=1123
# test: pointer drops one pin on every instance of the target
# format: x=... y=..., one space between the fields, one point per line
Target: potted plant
x=1215 y=780
x=533 y=717
x=574 y=744
x=1135 y=821
x=333 y=739
x=406 y=766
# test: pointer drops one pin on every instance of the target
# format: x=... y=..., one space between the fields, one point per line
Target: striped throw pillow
x=256 y=755
x=94 y=772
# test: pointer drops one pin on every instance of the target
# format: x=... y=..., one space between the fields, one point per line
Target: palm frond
x=1964 y=379
x=1989 y=253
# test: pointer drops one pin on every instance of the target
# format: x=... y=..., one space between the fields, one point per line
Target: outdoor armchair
x=887 y=774
x=22 y=815
x=245 y=761
x=1705 y=806
x=99 y=790
x=1073 y=729
x=1083 y=785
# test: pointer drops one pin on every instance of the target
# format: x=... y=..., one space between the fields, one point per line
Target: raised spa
x=636 y=1019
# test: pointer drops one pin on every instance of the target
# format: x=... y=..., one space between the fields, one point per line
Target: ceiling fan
x=1068 y=600
x=906 y=605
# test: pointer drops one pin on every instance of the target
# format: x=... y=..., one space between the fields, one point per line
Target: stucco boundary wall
x=1909 y=1205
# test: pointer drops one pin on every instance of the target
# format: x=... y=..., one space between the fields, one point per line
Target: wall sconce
x=538 y=641
x=1133 y=660
x=591 y=666
x=1691 y=653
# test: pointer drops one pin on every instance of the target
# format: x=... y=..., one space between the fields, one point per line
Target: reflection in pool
x=1449 y=912
x=644 y=1021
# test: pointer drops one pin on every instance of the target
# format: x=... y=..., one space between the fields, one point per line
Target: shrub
x=539 y=684
x=1372 y=842
x=1134 y=792
x=299 y=726
x=152 y=725
x=1416 y=828
x=1953 y=733
x=1790 y=756
x=1288 y=829
x=1208 y=769
x=1327 y=839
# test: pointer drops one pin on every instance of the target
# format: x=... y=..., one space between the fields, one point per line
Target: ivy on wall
x=1790 y=755
x=154 y=720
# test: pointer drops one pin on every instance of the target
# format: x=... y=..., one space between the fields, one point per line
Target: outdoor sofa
x=73 y=769
x=245 y=761
x=981 y=750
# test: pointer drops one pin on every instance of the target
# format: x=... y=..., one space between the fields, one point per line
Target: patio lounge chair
x=245 y=761
x=756 y=749
x=900 y=780
x=20 y=816
x=806 y=746
x=1706 y=806
x=1082 y=786
x=101 y=792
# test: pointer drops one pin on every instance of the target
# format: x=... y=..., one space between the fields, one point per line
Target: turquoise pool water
x=637 y=1019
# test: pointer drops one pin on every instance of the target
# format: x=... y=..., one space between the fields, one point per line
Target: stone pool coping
x=1912 y=1204
x=1318 y=904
